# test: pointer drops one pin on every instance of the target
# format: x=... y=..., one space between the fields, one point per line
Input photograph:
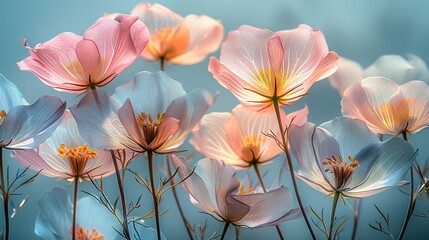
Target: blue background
x=360 y=30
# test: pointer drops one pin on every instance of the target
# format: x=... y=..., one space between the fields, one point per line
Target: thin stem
x=5 y=197
x=290 y=165
x=154 y=197
x=76 y=186
x=334 y=208
x=182 y=214
x=412 y=201
x=122 y=194
x=161 y=63
x=225 y=228
x=356 y=216
x=258 y=173
x=237 y=233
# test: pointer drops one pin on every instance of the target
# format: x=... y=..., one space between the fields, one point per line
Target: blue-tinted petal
x=351 y=134
x=143 y=231
x=29 y=125
x=10 y=95
x=386 y=164
x=44 y=230
x=150 y=93
x=92 y=215
x=55 y=214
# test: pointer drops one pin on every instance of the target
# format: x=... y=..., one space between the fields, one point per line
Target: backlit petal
x=348 y=73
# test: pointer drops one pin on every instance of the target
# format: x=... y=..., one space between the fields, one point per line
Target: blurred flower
x=393 y=67
x=25 y=126
x=215 y=189
x=238 y=138
x=386 y=107
x=343 y=156
x=176 y=39
x=75 y=64
x=94 y=221
x=156 y=114
x=65 y=155
x=259 y=66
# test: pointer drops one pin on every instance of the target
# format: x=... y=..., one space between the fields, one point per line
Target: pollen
x=242 y=190
x=2 y=115
x=93 y=234
x=341 y=170
x=149 y=125
x=77 y=157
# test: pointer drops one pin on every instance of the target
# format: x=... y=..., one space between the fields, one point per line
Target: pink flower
x=214 y=188
x=176 y=39
x=237 y=138
x=65 y=155
x=393 y=67
x=386 y=107
x=259 y=66
x=73 y=63
x=150 y=113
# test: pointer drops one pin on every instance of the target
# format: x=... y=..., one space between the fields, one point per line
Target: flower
x=238 y=138
x=75 y=64
x=24 y=126
x=93 y=220
x=386 y=107
x=156 y=114
x=259 y=66
x=214 y=188
x=176 y=39
x=343 y=156
x=393 y=67
x=66 y=155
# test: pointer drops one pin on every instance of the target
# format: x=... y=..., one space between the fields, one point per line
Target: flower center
x=252 y=147
x=168 y=42
x=2 y=115
x=82 y=234
x=77 y=157
x=341 y=170
x=149 y=125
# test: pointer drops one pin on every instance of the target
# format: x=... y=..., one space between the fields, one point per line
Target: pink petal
x=417 y=95
x=378 y=102
x=205 y=37
x=240 y=88
x=348 y=73
x=298 y=117
x=128 y=119
x=209 y=137
x=393 y=67
x=168 y=127
x=156 y=16
x=89 y=57
x=101 y=166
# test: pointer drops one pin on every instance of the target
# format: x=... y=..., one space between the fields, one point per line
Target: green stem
x=356 y=216
x=412 y=201
x=154 y=197
x=122 y=194
x=5 y=197
x=76 y=186
x=290 y=165
x=334 y=208
x=258 y=173
x=179 y=206
x=225 y=228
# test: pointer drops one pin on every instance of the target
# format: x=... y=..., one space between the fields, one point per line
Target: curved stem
x=76 y=186
x=225 y=228
x=356 y=216
x=334 y=208
x=258 y=173
x=412 y=201
x=5 y=198
x=154 y=197
x=122 y=194
x=179 y=206
x=290 y=165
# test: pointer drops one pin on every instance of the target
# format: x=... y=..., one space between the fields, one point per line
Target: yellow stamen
x=77 y=157
x=242 y=190
x=342 y=171
x=2 y=115
x=82 y=234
